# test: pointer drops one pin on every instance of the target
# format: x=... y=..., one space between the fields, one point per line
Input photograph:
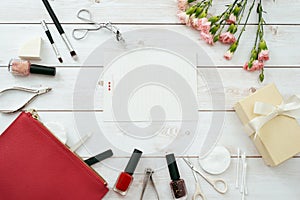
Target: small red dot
x=108 y=89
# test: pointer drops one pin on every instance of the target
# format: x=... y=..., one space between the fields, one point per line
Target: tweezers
x=37 y=93
x=148 y=176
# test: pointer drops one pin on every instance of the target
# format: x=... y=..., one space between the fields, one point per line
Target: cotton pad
x=217 y=161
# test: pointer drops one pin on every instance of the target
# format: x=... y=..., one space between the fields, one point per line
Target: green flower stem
x=242 y=11
x=244 y=27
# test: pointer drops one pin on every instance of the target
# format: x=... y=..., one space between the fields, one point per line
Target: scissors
x=198 y=192
x=37 y=93
x=213 y=182
x=81 y=33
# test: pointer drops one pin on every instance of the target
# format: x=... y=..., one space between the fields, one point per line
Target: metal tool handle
x=35 y=91
x=20 y=89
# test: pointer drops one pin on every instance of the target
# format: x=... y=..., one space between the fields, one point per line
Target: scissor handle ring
x=215 y=185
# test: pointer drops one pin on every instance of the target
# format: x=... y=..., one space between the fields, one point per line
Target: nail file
x=99 y=157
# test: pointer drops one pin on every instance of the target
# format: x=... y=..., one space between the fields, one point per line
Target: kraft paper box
x=278 y=139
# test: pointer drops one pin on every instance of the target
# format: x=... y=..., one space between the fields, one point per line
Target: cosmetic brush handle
x=53 y=17
x=40 y=69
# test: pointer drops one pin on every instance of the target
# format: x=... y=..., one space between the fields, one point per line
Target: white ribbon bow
x=289 y=108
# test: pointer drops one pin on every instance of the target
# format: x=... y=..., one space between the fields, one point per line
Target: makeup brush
x=59 y=28
x=51 y=41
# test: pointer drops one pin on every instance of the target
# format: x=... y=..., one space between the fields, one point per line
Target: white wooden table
x=20 y=21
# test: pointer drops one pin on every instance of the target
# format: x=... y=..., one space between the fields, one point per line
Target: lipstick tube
x=125 y=178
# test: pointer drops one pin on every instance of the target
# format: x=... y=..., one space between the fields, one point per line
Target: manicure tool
x=37 y=93
x=99 y=157
x=81 y=33
x=212 y=182
x=198 y=192
x=148 y=176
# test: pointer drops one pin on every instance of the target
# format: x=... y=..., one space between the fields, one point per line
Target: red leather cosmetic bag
x=35 y=165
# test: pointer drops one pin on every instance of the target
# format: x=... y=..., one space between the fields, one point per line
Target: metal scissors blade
x=215 y=183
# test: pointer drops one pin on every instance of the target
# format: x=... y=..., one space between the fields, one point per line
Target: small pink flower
x=227 y=38
x=228 y=55
x=231 y=19
x=182 y=4
x=204 y=25
x=245 y=67
x=263 y=55
x=256 y=65
x=183 y=18
x=207 y=37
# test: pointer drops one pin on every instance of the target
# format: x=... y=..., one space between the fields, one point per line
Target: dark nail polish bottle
x=125 y=178
x=178 y=187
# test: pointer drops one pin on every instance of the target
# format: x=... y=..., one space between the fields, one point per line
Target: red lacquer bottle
x=125 y=178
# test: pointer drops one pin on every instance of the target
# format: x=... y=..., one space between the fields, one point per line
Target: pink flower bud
x=263 y=55
x=227 y=38
x=231 y=19
x=182 y=4
x=228 y=55
x=207 y=37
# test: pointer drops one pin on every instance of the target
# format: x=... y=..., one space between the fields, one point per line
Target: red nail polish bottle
x=125 y=178
x=177 y=184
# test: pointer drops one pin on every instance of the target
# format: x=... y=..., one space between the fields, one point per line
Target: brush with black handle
x=59 y=28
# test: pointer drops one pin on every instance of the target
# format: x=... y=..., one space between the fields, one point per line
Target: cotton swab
x=245 y=179
x=238 y=168
x=243 y=172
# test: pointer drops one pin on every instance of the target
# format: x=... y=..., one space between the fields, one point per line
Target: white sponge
x=31 y=49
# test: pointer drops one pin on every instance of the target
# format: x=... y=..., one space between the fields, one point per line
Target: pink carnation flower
x=207 y=37
x=231 y=19
x=256 y=65
x=182 y=4
x=228 y=55
x=204 y=25
x=183 y=18
x=227 y=38
x=263 y=55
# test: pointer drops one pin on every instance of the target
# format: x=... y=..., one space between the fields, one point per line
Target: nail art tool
x=213 y=182
x=217 y=161
x=59 y=28
x=99 y=157
x=49 y=36
x=36 y=92
x=148 y=177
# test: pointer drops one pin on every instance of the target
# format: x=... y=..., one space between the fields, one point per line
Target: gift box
x=271 y=123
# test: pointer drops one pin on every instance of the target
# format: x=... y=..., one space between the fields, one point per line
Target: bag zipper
x=34 y=114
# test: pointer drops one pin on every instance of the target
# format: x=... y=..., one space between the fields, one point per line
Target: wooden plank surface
x=131 y=11
x=19 y=22
x=280 y=39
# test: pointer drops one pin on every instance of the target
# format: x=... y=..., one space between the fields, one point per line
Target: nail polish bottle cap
x=173 y=169
x=134 y=159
